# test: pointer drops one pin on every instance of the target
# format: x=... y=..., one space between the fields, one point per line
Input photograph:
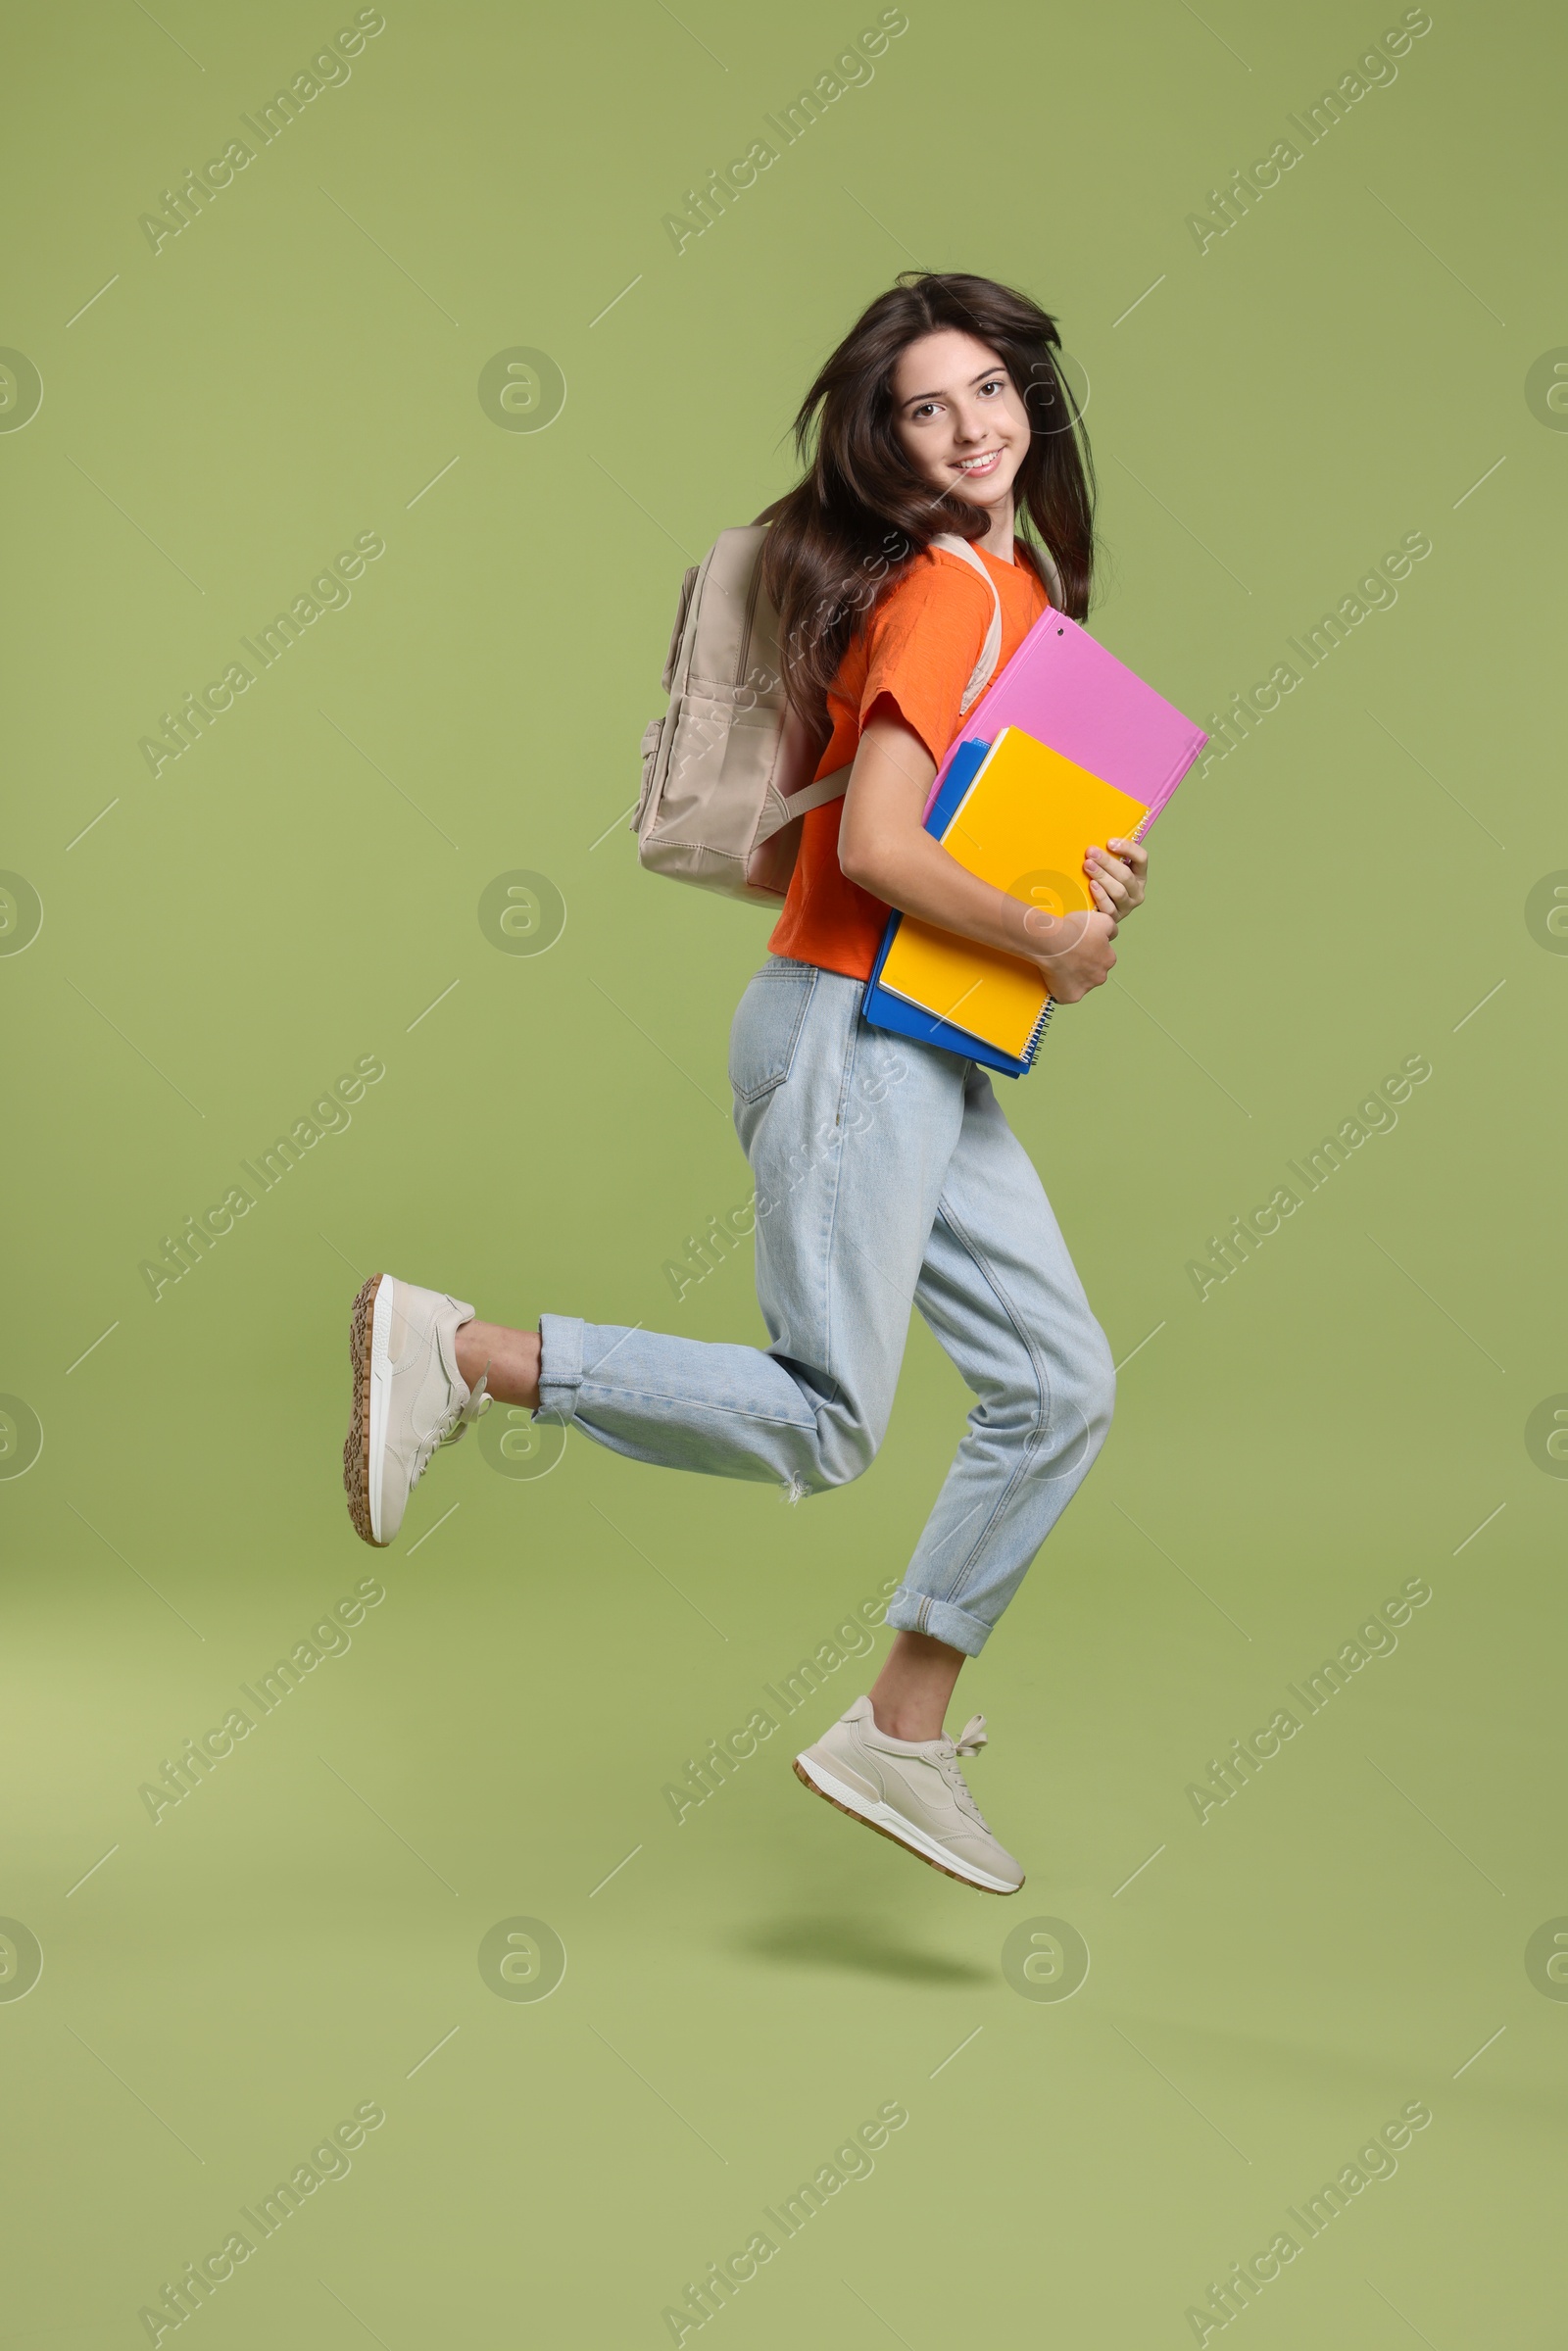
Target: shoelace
x=454 y=1426
x=970 y=1739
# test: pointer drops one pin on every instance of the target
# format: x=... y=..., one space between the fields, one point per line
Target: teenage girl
x=886 y=1172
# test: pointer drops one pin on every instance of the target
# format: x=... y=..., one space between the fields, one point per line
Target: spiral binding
x=1049 y=1004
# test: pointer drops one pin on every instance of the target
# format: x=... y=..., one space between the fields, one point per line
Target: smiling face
x=960 y=419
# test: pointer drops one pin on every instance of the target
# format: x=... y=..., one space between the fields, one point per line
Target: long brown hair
x=862 y=514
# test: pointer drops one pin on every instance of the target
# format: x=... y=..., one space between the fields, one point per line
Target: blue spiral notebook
x=885 y=1011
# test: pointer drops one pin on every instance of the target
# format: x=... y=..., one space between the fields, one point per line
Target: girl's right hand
x=1073 y=951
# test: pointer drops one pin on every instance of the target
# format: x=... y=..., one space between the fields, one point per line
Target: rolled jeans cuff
x=559 y=1365
x=918 y=1612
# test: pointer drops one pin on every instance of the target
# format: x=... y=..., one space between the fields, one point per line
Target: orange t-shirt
x=916 y=651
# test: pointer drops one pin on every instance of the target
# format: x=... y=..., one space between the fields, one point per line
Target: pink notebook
x=1062 y=687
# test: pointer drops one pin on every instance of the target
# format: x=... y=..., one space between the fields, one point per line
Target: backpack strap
x=981 y=674
x=817 y=794
x=834 y=786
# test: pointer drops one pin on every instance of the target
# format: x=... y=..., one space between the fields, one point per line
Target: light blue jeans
x=886 y=1174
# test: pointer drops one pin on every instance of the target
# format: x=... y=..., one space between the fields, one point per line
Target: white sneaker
x=914 y=1791
x=408 y=1397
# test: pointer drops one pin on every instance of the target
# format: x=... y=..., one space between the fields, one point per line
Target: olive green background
x=219 y=419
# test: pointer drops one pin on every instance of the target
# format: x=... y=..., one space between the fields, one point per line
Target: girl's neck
x=998 y=540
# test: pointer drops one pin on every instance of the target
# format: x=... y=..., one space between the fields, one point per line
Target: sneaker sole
x=360 y=1445
x=893 y=1826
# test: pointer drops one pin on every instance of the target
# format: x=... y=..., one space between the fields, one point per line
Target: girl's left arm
x=885 y=848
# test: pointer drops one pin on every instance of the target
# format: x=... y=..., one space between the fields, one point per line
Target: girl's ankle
x=469 y=1354
x=909 y=1729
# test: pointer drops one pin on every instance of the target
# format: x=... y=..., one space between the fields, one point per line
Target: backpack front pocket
x=653 y=736
x=721 y=745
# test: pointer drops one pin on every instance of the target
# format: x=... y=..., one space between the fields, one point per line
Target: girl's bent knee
x=1100 y=1402
x=848 y=1453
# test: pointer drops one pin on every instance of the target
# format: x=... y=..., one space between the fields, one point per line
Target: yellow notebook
x=1025 y=824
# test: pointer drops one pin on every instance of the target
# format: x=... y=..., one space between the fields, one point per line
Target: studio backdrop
x=433 y=1945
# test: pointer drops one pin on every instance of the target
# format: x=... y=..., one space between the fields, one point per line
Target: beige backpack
x=727 y=770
